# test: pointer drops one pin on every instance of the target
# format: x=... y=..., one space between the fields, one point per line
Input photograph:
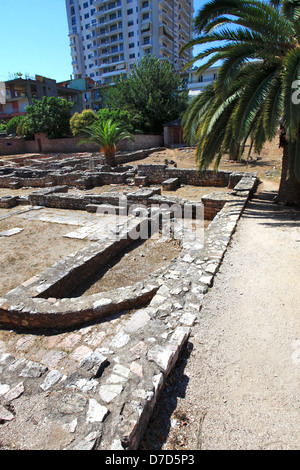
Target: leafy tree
x=116 y=115
x=24 y=130
x=80 y=121
x=257 y=89
x=50 y=116
x=153 y=94
x=3 y=127
x=12 y=125
x=106 y=134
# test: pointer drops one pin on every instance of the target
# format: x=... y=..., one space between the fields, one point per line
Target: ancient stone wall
x=160 y=173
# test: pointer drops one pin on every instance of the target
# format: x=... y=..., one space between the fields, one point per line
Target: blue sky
x=34 y=38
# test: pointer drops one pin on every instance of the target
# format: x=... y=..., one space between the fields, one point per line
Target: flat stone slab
x=11 y=232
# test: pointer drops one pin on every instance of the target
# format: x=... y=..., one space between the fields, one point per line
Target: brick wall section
x=12 y=146
x=16 y=145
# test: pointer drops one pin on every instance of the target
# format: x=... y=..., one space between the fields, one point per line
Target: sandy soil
x=36 y=248
x=237 y=385
x=268 y=161
x=138 y=261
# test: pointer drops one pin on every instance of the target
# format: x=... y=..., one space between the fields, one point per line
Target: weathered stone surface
x=11 y=232
x=72 y=403
x=5 y=415
x=33 y=370
x=52 y=378
x=109 y=392
x=96 y=413
x=14 y=393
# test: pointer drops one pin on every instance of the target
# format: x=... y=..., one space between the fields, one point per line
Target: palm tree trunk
x=283 y=143
x=110 y=160
x=235 y=156
x=289 y=187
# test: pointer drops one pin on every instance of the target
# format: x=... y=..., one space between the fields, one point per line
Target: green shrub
x=50 y=116
x=12 y=125
x=122 y=117
x=80 y=121
x=24 y=130
x=3 y=128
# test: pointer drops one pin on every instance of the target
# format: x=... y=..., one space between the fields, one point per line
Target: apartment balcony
x=107 y=21
x=115 y=42
x=114 y=73
x=164 y=47
x=118 y=64
x=146 y=27
x=165 y=33
x=109 y=53
x=164 y=15
x=167 y=6
x=105 y=8
x=146 y=43
x=145 y=6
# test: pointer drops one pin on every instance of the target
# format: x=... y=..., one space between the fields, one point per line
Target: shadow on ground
x=262 y=206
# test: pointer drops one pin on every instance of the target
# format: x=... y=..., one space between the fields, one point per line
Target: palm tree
x=255 y=93
x=106 y=134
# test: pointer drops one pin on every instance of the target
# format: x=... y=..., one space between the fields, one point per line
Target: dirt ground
x=236 y=387
x=138 y=261
x=36 y=248
x=268 y=161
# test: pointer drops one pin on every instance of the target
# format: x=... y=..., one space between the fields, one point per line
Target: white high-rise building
x=108 y=36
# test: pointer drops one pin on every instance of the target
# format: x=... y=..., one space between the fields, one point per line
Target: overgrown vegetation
x=80 y=121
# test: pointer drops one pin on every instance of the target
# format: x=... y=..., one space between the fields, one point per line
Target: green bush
x=153 y=94
x=50 y=116
x=122 y=117
x=12 y=125
x=80 y=121
x=24 y=130
x=3 y=128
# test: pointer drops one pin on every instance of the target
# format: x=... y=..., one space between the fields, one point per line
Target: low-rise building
x=20 y=93
x=196 y=83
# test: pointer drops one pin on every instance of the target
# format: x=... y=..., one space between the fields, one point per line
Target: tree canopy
x=50 y=116
x=153 y=94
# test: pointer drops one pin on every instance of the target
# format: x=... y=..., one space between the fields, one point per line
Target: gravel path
x=237 y=386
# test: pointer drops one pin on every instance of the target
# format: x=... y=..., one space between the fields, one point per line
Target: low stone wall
x=160 y=173
x=7 y=202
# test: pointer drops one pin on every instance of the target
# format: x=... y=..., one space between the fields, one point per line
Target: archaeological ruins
x=91 y=359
